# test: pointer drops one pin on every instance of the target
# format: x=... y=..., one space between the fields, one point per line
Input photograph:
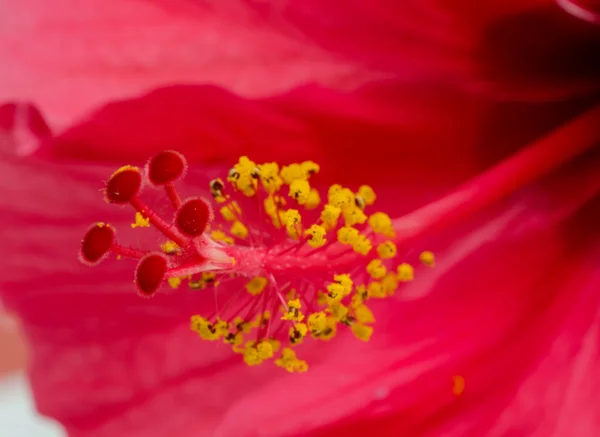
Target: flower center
x=285 y=264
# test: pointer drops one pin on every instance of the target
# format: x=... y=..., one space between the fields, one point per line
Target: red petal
x=96 y=51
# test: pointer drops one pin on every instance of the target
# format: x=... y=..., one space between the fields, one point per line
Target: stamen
x=275 y=270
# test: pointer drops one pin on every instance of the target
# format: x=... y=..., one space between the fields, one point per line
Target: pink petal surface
x=70 y=56
x=507 y=49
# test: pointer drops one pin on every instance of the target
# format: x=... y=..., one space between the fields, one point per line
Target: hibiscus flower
x=476 y=128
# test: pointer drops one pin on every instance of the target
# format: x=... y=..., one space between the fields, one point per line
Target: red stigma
x=123 y=185
x=149 y=273
x=166 y=167
x=193 y=217
x=96 y=243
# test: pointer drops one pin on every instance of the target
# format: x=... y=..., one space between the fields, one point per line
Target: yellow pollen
x=387 y=250
x=317 y=322
x=252 y=356
x=256 y=285
x=140 y=221
x=428 y=258
x=174 y=282
x=239 y=229
x=221 y=236
x=316 y=236
x=376 y=290
x=293 y=313
x=363 y=314
x=362 y=245
x=376 y=269
x=297 y=333
x=347 y=235
x=367 y=193
x=269 y=176
x=362 y=332
x=381 y=224
x=406 y=272
x=169 y=247
x=389 y=284
x=292 y=172
x=265 y=350
x=330 y=216
x=313 y=200
x=342 y=198
x=300 y=190
x=290 y=362
x=354 y=216
x=310 y=168
x=231 y=212
x=292 y=221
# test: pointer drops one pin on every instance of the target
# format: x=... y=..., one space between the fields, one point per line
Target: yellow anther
x=330 y=216
x=234 y=338
x=363 y=314
x=345 y=281
x=321 y=298
x=354 y=216
x=376 y=269
x=221 y=236
x=275 y=344
x=381 y=223
x=242 y=325
x=140 y=221
x=290 y=362
x=299 y=190
x=347 y=235
x=310 y=168
x=406 y=272
x=239 y=229
x=333 y=190
x=269 y=176
x=297 y=333
x=174 y=282
x=265 y=350
x=293 y=312
x=252 y=356
x=458 y=385
x=367 y=194
x=376 y=290
x=362 y=245
x=292 y=221
x=362 y=332
x=221 y=328
x=274 y=204
x=343 y=199
x=338 y=311
x=316 y=236
x=387 y=250
x=256 y=285
x=203 y=328
x=169 y=247
x=291 y=173
x=317 y=322
x=313 y=200
x=361 y=292
x=231 y=212
x=428 y=258
x=389 y=284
